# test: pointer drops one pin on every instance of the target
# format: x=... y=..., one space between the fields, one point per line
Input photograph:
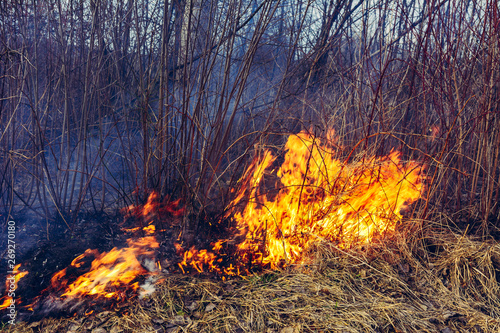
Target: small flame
x=110 y=273
x=154 y=207
x=11 y=286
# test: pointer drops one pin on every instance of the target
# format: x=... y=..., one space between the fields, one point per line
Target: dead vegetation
x=102 y=102
x=423 y=279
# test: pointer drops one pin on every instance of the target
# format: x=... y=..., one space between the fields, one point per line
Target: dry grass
x=86 y=127
x=423 y=279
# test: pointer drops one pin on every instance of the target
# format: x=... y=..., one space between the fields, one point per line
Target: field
x=281 y=165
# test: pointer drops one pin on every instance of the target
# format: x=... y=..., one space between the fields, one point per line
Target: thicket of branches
x=104 y=101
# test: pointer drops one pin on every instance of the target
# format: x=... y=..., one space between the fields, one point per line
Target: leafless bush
x=104 y=101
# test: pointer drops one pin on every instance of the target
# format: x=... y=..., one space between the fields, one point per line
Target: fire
x=279 y=214
x=11 y=286
x=154 y=208
x=323 y=198
x=114 y=274
x=317 y=197
x=110 y=273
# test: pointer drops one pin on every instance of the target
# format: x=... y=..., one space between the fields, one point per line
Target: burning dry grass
x=432 y=280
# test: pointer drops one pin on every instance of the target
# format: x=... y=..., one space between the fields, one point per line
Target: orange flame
x=110 y=273
x=323 y=198
x=11 y=286
x=318 y=197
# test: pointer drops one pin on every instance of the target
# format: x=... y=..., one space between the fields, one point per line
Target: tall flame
x=113 y=274
x=317 y=197
x=323 y=198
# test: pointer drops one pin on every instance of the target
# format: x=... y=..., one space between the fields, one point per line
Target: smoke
x=148 y=287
